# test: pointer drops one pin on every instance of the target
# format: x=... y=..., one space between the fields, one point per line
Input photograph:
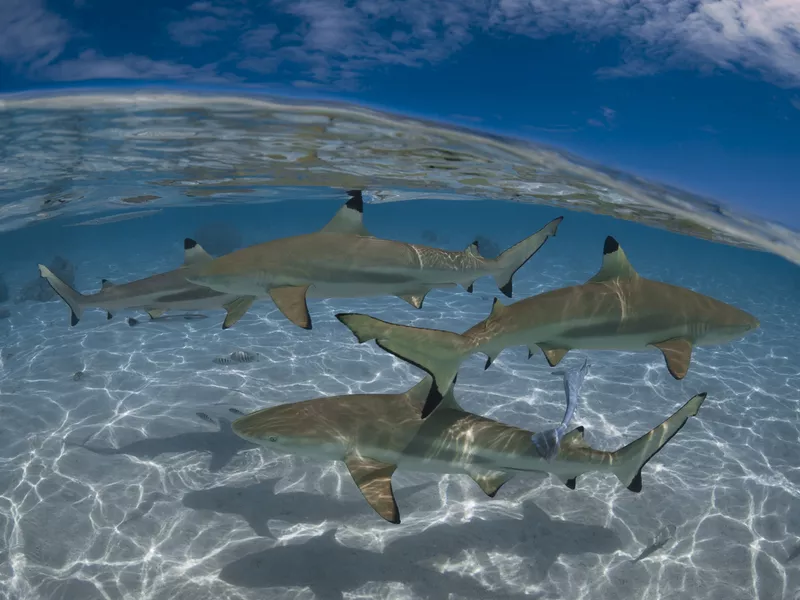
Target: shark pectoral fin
x=194 y=254
x=414 y=300
x=678 y=354
x=489 y=481
x=350 y=217
x=374 y=479
x=236 y=309
x=106 y=284
x=155 y=312
x=615 y=263
x=291 y=301
x=553 y=355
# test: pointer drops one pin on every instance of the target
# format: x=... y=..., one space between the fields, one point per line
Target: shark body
x=375 y=434
x=343 y=260
x=617 y=309
x=155 y=294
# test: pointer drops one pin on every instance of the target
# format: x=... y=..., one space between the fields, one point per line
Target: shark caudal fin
x=439 y=353
x=512 y=259
x=68 y=295
x=628 y=461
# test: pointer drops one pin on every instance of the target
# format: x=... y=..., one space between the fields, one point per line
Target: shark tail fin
x=67 y=294
x=510 y=261
x=437 y=352
x=629 y=460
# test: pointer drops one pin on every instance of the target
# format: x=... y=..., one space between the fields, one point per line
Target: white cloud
x=761 y=35
x=31 y=37
x=91 y=65
x=338 y=41
x=197 y=30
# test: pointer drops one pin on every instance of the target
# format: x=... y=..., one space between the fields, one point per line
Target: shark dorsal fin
x=497 y=308
x=615 y=263
x=350 y=217
x=193 y=253
x=574 y=439
x=472 y=249
x=106 y=284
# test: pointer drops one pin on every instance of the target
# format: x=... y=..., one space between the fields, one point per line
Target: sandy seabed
x=111 y=485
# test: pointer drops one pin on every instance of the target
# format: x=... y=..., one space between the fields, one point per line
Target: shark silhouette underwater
x=617 y=309
x=375 y=434
x=343 y=260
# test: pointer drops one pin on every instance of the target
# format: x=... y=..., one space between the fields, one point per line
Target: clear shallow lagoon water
x=111 y=486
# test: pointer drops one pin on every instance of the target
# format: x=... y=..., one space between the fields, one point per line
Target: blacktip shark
x=155 y=294
x=617 y=309
x=343 y=260
x=170 y=291
x=375 y=434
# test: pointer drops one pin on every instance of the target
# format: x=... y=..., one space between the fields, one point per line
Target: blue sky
x=704 y=94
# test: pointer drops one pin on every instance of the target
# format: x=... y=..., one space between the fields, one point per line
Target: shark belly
x=367 y=290
x=198 y=298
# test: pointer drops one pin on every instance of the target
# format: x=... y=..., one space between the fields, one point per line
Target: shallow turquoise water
x=111 y=485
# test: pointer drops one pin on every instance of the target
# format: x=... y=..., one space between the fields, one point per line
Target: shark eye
x=273 y=438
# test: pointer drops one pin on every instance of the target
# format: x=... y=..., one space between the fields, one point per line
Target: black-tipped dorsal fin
x=615 y=263
x=574 y=439
x=472 y=249
x=374 y=479
x=350 y=217
x=106 y=284
x=497 y=308
x=193 y=253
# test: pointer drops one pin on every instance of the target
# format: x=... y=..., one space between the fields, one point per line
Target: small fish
x=184 y=317
x=236 y=411
x=78 y=375
x=205 y=417
x=663 y=536
x=547 y=442
x=793 y=554
x=238 y=356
